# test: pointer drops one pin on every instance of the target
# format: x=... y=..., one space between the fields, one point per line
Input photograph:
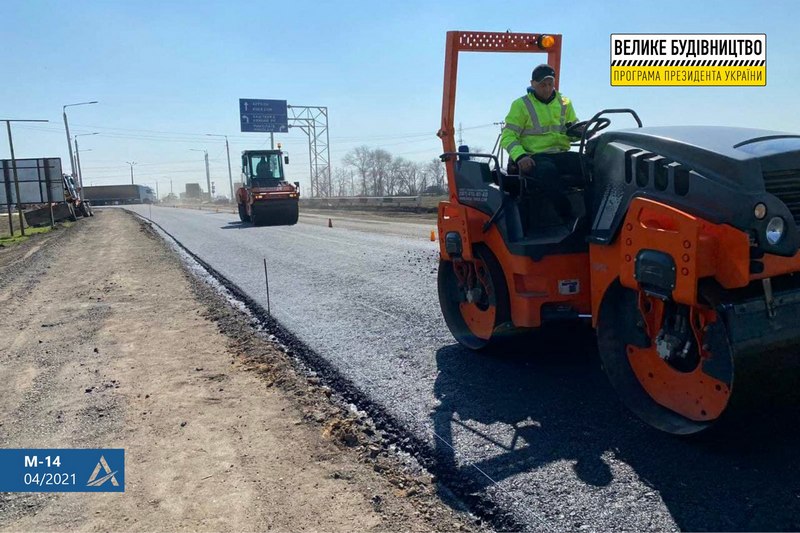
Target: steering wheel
x=590 y=127
x=584 y=130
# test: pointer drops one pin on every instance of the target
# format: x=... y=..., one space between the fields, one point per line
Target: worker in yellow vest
x=536 y=140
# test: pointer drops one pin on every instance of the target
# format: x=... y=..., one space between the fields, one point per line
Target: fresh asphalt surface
x=540 y=433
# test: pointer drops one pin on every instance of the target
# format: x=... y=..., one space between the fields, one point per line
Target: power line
x=193 y=137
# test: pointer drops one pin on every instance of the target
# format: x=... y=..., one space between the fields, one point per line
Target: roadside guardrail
x=405 y=203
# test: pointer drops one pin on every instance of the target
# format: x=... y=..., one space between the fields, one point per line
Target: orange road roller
x=681 y=249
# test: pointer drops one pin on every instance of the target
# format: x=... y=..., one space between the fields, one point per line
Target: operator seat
x=537 y=209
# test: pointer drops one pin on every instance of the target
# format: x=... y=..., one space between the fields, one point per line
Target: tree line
x=369 y=171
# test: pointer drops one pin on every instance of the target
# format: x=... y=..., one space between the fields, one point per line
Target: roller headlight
x=775 y=230
x=760 y=211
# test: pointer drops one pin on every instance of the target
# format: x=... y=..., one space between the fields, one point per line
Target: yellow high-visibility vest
x=533 y=127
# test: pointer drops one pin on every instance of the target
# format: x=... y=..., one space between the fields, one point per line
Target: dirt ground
x=108 y=341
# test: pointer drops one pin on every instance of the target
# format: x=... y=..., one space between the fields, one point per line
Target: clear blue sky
x=167 y=72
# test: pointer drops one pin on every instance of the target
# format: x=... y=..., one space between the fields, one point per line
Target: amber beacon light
x=546 y=41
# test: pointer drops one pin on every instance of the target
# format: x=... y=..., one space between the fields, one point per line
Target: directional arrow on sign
x=258 y=115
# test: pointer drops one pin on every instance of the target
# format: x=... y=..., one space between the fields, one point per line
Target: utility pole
x=208 y=178
x=230 y=175
x=497 y=146
x=156 y=191
x=208 y=172
x=69 y=140
x=228 y=151
x=460 y=134
x=16 y=178
x=131 y=163
x=78 y=160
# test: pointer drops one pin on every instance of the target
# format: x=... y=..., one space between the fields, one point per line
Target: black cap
x=543 y=71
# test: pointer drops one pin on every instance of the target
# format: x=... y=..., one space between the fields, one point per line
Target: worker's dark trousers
x=547 y=177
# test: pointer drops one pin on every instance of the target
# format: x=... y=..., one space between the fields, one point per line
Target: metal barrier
x=412 y=203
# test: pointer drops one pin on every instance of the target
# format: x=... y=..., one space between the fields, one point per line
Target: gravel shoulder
x=110 y=342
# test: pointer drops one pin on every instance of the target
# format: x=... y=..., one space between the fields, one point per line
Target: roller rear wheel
x=292 y=215
x=243 y=216
x=474 y=299
x=257 y=217
x=671 y=364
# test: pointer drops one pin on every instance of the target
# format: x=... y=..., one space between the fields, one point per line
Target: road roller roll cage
x=472 y=41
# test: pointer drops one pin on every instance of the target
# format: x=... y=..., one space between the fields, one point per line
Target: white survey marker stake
x=688 y=59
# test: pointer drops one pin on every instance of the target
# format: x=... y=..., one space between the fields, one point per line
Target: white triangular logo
x=94 y=481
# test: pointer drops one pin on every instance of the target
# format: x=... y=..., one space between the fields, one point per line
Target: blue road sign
x=263 y=115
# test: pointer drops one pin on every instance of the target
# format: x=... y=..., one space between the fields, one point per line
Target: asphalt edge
x=465 y=491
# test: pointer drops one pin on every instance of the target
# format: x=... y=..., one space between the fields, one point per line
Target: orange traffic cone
x=330 y=224
x=433 y=236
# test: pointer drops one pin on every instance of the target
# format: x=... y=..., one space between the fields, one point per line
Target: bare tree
x=341 y=181
x=381 y=160
x=360 y=159
x=406 y=176
x=421 y=178
x=437 y=182
x=378 y=173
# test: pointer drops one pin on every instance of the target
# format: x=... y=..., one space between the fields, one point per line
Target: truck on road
x=119 y=194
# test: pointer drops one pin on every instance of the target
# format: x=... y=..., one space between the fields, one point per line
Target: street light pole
x=228 y=151
x=208 y=173
x=69 y=143
x=69 y=139
x=78 y=157
x=230 y=175
x=78 y=160
x=16 y=183
x=16 y=179
x=131 y=163
x=208 y=178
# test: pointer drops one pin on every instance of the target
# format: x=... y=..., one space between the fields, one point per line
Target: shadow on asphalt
x=247 y=225
x=237 y=225
x=561 y=406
